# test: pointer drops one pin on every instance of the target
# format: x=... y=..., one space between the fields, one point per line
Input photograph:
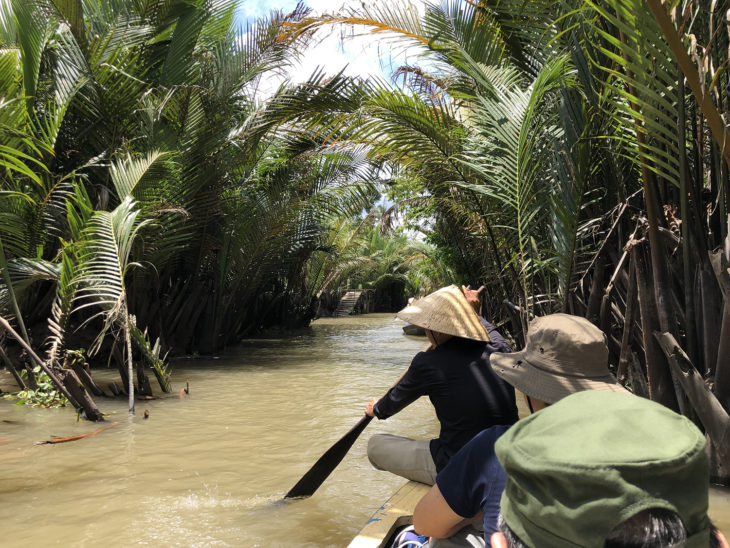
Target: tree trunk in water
x=657 y=368
x=10 y=366
x=130 y=366
x=85 y=402
x=118 y=357
x=143 y=381
x=54 y=379
x=81 y=370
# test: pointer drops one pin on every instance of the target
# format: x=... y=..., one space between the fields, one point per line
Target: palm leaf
x=516 y=133
x=104 y=261
x=129 y=174
x=639 y=69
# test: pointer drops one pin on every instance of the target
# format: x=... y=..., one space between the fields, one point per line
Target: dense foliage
x=148 y=191
x=141 y=173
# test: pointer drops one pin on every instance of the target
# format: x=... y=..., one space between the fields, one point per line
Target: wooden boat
x=391 y=516
x=414 y=330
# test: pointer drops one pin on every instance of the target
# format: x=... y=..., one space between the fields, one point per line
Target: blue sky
x=358 y=56
x=250 y=10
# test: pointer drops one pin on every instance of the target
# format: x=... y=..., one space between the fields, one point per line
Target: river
x=210 y=469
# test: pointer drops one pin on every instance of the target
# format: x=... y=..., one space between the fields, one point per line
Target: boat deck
x=396 y=512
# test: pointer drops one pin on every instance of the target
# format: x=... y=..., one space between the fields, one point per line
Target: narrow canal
x=210 y=469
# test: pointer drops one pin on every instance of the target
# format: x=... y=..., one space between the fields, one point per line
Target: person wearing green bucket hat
x=563 y=354
x=606 y=470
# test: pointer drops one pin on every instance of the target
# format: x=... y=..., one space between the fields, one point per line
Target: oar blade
x=316 y=475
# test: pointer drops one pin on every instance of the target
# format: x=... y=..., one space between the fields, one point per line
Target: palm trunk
x=721 y=264
x=11 y=292
x=662 y=305
x=689 y=304
x=714 y=418
x=657 y=368
x=629 y=318
x=59 y=385
x=130 y=364
x=10 y=366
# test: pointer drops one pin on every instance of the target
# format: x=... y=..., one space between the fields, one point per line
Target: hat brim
x=446 y=311
x=545 y=385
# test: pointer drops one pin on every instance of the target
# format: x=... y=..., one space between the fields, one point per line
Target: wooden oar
x=311 y=481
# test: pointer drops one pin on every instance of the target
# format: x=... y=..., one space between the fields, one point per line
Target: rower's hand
x=369 y=409
x=472 y=296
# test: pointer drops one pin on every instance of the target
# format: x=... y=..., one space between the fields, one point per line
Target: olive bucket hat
x=585 y=465
x=445 y=311
x=563 y=354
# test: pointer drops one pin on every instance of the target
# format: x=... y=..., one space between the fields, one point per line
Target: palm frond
x=58 y=322
x=514 y=145
x=104 y=261
x=128 y=174
x=638 y=68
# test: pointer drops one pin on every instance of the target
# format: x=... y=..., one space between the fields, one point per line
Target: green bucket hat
x=579 y=468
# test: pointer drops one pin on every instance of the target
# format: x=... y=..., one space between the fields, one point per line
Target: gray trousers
x=405 y=457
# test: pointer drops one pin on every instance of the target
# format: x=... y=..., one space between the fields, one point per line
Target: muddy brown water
x=211 y=469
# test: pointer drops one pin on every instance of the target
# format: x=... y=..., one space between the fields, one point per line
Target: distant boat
x=414 y=330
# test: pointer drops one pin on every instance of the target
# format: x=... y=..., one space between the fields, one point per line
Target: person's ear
x=499 y=540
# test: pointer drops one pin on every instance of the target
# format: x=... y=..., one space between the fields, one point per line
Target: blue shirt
x=473 y=480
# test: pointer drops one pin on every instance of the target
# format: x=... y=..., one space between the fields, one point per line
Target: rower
x=455 y=374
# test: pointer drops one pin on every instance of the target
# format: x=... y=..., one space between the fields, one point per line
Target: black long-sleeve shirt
x=467 y=395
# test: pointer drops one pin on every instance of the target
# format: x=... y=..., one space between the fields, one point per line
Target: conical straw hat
x=446 y=311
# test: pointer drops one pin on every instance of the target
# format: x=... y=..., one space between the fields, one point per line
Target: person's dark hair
x=513 y=541
x=653 y=528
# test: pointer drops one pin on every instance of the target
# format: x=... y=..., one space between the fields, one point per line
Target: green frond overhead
x=33 y=31
x=190 y=19
x=8 y=23
x=463 y=37
x=24 y=273
x=72 y=12
x=398 y=21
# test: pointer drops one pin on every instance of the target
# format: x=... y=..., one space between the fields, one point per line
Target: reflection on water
x=210 y=469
